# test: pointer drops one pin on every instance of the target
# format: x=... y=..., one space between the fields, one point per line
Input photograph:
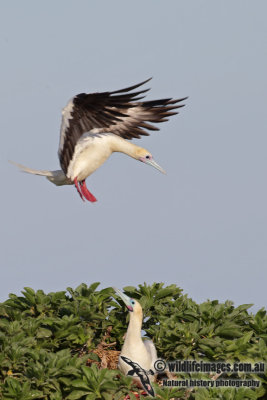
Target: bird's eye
x=132 y=301
x=148 y=157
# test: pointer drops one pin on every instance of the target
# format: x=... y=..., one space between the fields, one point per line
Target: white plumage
x=142 y=352
x=97 y=124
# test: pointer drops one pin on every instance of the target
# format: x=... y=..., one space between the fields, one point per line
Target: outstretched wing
x=118 y=112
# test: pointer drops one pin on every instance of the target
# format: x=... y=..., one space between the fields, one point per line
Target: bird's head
x=146 y=157
x=131 y=304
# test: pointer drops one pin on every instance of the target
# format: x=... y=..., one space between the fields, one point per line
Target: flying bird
x=135 y=352
x=95 y=125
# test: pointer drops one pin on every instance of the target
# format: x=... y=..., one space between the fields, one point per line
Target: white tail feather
x=57 y=177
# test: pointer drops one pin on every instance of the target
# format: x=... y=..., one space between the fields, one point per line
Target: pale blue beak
x=125 y=299
x=153 y=164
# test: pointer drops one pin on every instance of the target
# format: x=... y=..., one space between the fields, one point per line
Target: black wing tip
x=174 y=101
x=168 y=103
x=128 y=89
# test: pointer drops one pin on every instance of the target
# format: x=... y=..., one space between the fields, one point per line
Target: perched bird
x=136 y=353
x=95 y=125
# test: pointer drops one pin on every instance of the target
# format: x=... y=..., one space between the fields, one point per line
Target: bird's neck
x=121 y=145
x=134 y=328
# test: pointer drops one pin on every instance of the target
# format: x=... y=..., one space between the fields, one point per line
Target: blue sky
x=203 y=225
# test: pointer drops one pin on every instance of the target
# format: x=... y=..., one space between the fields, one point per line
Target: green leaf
x=80 y=384
x=46 y=340
x=77 y=394
x=43 y=333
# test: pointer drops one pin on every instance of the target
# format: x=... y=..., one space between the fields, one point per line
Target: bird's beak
x=124 y=298
x=153 y=164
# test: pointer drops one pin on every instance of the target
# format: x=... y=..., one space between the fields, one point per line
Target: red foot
x=88 y=195
x=78 y=188
x=83 y=191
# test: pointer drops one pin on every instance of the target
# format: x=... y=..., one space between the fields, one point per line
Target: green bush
x=45 y=341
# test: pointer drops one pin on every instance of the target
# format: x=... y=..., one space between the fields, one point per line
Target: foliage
x=45 y=340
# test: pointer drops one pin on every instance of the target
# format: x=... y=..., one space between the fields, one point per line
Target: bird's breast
x=90 y=153
x=137 y=353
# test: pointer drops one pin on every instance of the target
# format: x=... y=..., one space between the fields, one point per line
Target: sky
x=203 y=226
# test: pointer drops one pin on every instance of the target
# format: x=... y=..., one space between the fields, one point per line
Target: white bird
x=95 y=125
x=134 y=348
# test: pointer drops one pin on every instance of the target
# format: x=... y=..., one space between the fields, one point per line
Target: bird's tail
x=57 y=177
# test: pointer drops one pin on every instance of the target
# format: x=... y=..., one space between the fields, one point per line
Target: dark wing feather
x=136 y=122
x=117 y=112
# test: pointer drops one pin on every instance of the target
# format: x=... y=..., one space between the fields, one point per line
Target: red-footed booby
x=95 y=125
x=134 y=348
